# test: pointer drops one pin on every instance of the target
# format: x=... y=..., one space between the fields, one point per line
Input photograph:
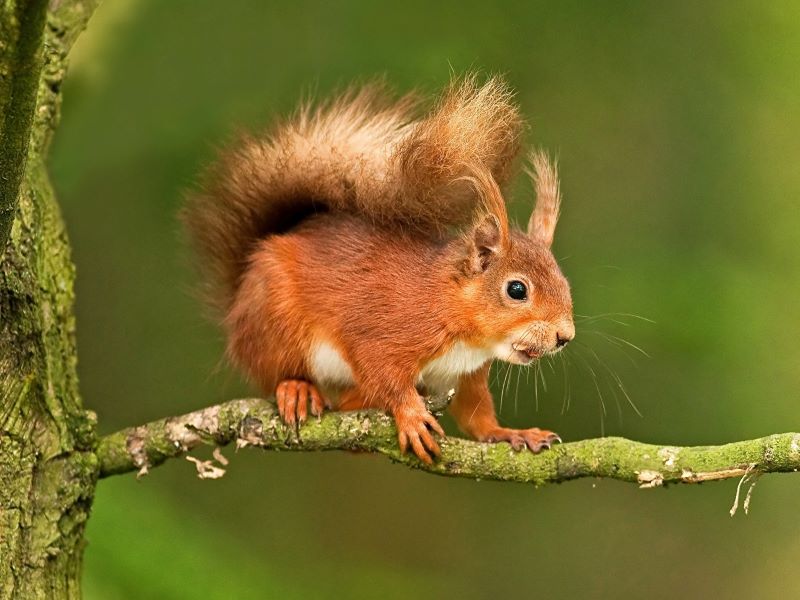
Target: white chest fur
x=442 y=373
x=329 y=368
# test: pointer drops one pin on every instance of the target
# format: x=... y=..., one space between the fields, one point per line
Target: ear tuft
x=484 y=245
x=544 y=173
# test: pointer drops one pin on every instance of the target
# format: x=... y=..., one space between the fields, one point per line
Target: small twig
x=754 y=481
x=747 y=472
x=206 y=469
x=751 y=476
x=220 y=457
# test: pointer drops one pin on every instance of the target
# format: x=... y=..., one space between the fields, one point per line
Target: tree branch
x=255 y=422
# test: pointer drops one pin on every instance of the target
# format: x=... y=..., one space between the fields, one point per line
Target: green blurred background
x=678 y=131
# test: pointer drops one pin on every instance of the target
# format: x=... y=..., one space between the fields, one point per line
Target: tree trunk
x=48 y=468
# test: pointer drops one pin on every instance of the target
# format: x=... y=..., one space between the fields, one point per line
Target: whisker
x=607 y=372
x=550 y=361
x=617 y=402
x=544 y=382
x=623 y=351
x=505 y=376
x=509 y=378
x=505 y=381
x=474 y=410
x=614 y=314
x=516 y=393
x=503 y=385
x=564 y=401
x=603 y=412
x=496 y=375
x=611 y=319
x=569 y=396
x=618 y=382
x=630 y=344
x=617 y=342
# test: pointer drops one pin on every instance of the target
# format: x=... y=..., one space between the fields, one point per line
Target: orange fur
x=362 y=256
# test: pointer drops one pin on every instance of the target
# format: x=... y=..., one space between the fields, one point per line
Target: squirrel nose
x=562 y=340
x=564 y=334
x=565 y=331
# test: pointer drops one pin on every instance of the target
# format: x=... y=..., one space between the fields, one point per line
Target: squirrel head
x=518 y=300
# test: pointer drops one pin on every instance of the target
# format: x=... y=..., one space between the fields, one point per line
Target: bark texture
x=256 y=423
x=48 y=468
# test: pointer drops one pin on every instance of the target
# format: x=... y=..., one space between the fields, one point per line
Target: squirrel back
x=361 y=154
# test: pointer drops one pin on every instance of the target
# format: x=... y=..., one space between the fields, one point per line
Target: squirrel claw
x=415 y=427
x=534 y=439
x=293 y=396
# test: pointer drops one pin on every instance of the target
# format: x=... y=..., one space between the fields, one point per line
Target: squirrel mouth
x=526 y=353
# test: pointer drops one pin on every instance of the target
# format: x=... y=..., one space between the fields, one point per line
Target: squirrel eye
x=517 y=290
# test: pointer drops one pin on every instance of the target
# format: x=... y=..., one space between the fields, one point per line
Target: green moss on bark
x=48 y=469
x=21 y=51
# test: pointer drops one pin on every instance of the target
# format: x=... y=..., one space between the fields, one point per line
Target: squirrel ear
x=542 y=225
x=484 y=245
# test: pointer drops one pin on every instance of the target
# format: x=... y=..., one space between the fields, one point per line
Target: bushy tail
x=361 y=153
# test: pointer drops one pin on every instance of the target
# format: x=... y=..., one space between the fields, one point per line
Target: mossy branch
x=255 y=422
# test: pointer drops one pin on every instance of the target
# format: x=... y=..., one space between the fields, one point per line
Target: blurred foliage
x=678 y=134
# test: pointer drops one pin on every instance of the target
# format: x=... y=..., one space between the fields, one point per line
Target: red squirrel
x=360 y=255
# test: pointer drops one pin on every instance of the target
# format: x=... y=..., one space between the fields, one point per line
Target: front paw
x=415 y=426
x=535 y=439
x=294 y=397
